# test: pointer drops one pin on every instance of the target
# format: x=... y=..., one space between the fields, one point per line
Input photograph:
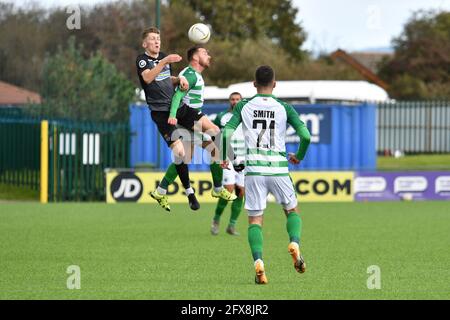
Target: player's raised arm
x=176 y=100
x=301 y=130
x=229 y=128
x=180 y=92
x=150 y=74
x=181 y=82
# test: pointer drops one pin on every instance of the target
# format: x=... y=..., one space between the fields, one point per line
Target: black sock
x=183 y=173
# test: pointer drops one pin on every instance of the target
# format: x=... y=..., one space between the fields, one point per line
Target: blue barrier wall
x=343 y=138
x=147 y=146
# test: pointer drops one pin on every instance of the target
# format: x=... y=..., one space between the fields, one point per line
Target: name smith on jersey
x=263 y=114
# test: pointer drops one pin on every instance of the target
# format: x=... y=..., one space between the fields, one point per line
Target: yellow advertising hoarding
x=310 y=186
x=323 y=186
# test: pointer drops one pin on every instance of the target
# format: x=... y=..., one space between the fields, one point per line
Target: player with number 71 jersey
x=264 y=121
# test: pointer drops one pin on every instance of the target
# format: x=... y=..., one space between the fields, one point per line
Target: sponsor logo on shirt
x=163 y=75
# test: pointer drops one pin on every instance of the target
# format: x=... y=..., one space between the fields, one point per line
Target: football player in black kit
x=154 y=72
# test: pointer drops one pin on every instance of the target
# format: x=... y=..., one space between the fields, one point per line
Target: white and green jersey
x=237 y=139
x=194 y=96
x=264 y=121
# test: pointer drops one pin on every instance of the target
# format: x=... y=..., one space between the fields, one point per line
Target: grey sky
x=347 y=24
x=357 y=24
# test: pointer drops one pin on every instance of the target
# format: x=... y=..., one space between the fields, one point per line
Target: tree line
x=38 y=51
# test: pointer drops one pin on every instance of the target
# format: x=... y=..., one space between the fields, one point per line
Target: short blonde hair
x=149 y=30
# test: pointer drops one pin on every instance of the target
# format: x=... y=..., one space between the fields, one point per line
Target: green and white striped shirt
x=264 y=121
x=193 y=97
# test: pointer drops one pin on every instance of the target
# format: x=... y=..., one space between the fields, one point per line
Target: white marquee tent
x=308 y=90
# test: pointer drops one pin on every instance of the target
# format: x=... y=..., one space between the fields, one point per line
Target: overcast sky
x=357 y=24
x=348 y=24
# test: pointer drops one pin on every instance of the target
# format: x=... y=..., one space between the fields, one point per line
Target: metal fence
x=19 y=152
x=79 y=152
x=414 y=127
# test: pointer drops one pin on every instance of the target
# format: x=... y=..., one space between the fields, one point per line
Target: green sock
x=294 y=227
x=236 y=208
x=217 y=174
x=255 y=239
x=221 y=205
x=169 y=177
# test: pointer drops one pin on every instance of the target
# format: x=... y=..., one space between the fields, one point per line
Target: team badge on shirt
x=142 y=63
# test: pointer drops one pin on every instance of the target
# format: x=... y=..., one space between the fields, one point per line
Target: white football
x=199 y=33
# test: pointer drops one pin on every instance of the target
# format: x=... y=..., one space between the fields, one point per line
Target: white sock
x=259 y=260
x=189 y=191
x=161 y=190
x=217 y=189
x=295 y=244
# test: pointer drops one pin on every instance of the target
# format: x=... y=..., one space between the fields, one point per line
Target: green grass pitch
x=131 y=251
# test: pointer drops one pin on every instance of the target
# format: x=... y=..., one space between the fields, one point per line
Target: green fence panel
x=79 y=153
x=19 y=152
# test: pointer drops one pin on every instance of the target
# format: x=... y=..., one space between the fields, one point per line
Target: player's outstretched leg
x=221 y=205
x=223 y=193
x=293 y=226
x=183 y=173
x=181 y=161
x=160 y=193
x=260 y=277
x=255 y=239
x=236 y=208
x=299 y=262
x=169 y=177
x=181 y=169
x=219 y=191
x=162 y=199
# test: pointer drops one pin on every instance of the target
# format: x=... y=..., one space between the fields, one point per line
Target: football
x=199 y=33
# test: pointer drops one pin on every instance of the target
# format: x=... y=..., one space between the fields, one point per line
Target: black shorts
x=186 y=117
